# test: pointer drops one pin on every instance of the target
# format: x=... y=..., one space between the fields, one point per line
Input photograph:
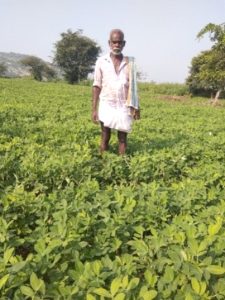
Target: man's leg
x=122 y=137
x=106 y=134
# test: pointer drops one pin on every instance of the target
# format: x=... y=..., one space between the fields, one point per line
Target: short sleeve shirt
x=114 y=86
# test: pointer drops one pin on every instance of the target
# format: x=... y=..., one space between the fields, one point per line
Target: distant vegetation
x=164 y=88
x=76 y=55
x=20 y=65
x=3 y=69
x=207 y=73
x=38 y=68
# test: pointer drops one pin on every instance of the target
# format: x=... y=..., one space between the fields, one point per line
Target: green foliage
x=75 y=55
x=38 y=68
x=216 y=33
x=164 y=88
x=3 y=69
x=207 y=73
x=77 y=225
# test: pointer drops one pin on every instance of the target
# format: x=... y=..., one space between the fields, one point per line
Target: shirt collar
x=124 y=61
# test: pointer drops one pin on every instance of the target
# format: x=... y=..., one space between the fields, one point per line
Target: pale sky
x=160 y=34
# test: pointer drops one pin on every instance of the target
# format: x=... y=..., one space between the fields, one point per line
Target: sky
x=160 y=34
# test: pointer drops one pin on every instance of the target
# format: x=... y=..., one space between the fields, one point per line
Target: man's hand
x=95 y=98
x=137 y=114
x=95 y=116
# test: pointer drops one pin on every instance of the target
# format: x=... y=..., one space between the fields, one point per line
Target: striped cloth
x=132 y=97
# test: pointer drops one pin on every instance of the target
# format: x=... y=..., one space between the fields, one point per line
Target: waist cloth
x=115 y=116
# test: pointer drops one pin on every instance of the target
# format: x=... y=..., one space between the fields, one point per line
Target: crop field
x=78 y=225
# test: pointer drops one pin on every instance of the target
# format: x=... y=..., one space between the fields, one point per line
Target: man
x=111 y=85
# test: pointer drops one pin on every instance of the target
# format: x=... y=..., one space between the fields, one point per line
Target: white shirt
x=114 y=87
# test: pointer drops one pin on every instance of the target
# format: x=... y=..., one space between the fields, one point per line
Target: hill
x=15 y=68
x=12 y=62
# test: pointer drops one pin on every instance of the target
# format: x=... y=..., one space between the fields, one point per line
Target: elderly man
x=111 y=86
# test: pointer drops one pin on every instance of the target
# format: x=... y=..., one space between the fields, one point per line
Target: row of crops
x=78 y=225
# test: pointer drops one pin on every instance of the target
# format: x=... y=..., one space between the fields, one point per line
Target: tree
x=49 y=72
x=207 y=73
x=3 y=69
x=198 y=85
x=38 y=68
x=76 y=55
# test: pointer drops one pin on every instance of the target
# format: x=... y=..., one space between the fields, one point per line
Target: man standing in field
x=114 y=95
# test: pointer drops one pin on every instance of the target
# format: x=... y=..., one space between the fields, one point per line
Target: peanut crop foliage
x=78 y=225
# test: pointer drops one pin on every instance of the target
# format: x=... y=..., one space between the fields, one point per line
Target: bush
x=164 y=88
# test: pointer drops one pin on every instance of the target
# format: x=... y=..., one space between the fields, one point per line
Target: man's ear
x=109 y=42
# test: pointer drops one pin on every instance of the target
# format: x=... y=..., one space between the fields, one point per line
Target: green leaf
x=169 y=274
x=56 y=259
x=139 y=229
x=124 y=282
x=96 y=266
x=144 y=289
x=203 y=287
x=203 y=246
x=148 y=276
x=35 y=282
x=74 y=290
x=42 y=287
x=133 y=283
x=189 y=297
x=149 y=295
x=27 y=291
x=120 y=296
x=90 y=297
x=214 y=228
x=17 y=267
x=83 y=244
x=195 y=285
x=184 y=255
x=116 y=243
x=140 y=246
x=115 y=285
x=154 y=232
x=40 y=247
x=216 y=270
x=102 y=292
x=193 y=245
x=3 y=280
x=7 y=254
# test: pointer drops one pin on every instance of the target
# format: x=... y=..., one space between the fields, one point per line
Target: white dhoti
x=115 y=116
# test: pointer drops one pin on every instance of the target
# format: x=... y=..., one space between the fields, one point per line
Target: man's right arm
x=95 y=99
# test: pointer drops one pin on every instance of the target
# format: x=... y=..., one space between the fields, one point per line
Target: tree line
x=75 y=54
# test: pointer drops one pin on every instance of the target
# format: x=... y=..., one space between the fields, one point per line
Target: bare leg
x=122 y=137
x=106 y=134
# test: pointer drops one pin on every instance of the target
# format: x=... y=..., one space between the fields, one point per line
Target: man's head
x=116 y=41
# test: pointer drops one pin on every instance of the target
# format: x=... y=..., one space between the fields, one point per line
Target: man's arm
x=95 y=99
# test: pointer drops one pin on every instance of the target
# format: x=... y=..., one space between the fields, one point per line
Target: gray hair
x=116 y=31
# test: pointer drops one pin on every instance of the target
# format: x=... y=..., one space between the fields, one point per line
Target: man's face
x=116 y=43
